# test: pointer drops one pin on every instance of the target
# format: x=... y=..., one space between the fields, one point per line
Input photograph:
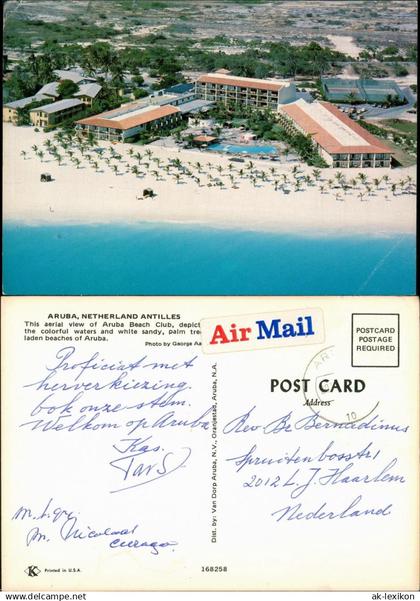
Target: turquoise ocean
x=167 y=259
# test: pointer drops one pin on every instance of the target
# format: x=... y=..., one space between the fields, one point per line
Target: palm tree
x=343 y=183
x=95 y=165
x=177 y=177
x=409 y=182
x=346 y=187
x=361 y=196
x=59 y=158
x=40 y=154
x=149 y=153
x=316 y=174
x=339 y=176
x=76 y=161
x=115 y=169
x=394 y=188
x=23 y=153
x=35 y=148
x=362 y=177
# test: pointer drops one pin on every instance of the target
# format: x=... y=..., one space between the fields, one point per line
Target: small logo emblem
x=32 y=571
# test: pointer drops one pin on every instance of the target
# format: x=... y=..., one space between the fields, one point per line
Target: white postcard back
x=210 y=443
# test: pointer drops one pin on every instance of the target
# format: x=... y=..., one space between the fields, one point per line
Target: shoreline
x=219 y=227
x=84 y=196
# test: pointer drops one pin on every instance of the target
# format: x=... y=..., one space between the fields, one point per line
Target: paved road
x=394 y=112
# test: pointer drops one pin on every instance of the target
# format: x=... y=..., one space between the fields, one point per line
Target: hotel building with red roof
x=260 y=93
x=339 y=140
x=128 y=121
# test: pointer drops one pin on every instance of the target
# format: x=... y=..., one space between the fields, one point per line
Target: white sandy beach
x=82 y=195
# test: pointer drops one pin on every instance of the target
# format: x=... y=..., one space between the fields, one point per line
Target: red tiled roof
x=204 y=139
x=259 y=84
x=326 y=140
x=358 y=129
x=129 y=122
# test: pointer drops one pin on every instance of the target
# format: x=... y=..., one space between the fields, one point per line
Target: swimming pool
x=245 y=149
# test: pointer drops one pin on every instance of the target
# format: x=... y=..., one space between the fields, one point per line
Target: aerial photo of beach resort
x=216 y=147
